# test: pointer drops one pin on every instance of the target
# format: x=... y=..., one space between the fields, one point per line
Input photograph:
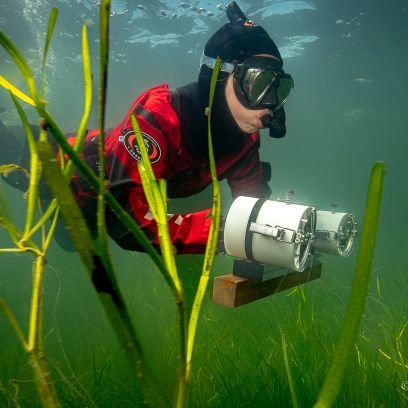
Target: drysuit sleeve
x=188 y=232
x=250 y=176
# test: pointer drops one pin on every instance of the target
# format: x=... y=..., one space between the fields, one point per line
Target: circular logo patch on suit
x=152 y=147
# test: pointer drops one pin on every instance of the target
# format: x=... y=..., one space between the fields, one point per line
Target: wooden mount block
x=233 y=291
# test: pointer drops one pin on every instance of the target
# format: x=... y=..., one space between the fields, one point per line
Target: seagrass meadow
x=150 y=334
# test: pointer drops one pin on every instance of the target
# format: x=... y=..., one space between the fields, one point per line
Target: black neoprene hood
x=236 y=41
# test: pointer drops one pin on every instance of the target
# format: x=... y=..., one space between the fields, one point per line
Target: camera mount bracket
x=251 y=281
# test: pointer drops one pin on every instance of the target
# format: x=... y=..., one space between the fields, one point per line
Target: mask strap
x=210 y=63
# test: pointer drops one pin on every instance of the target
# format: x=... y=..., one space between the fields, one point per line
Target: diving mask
x=259 y=81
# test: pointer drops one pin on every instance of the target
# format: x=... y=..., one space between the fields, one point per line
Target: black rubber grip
x=248 y=234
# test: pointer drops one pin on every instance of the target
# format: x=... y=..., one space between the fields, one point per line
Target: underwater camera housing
x=270 y=232
x=276 y=243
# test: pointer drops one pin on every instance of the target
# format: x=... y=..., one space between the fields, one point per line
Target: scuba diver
x=251 y=90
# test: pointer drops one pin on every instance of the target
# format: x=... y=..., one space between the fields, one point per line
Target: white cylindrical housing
x=335 y=233
x=269 y=232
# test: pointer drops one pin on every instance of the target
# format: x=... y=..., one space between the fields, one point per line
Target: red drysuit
x=185 y=174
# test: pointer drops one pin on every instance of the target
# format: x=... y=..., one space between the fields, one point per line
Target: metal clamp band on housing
x=278 y=233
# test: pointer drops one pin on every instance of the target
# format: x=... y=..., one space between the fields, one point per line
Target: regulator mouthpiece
x=277 y=127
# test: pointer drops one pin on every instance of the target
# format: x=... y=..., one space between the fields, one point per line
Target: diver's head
x=251 y=66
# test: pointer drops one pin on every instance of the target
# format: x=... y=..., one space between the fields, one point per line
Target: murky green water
x=349 y=61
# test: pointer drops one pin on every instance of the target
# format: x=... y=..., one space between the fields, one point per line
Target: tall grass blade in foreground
x=35 y=172
x=213 y=234
x=21 y=63
x=51 y=26
x=81 y=133
x=15 y=91
x=5 y=214
x=76 y=225
x=102 y=236
x=355 y=307
x=156 y=196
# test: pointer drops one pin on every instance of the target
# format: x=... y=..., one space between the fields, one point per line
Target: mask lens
x=285 y=86
x=278 y=93
x=261 y=83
